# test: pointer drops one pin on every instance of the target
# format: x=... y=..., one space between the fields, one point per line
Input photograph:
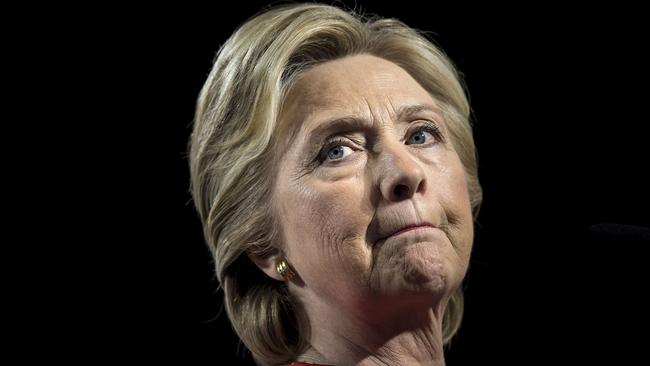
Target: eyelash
x=430 y=127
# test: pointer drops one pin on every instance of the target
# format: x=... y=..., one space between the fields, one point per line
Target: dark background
x=559 y=98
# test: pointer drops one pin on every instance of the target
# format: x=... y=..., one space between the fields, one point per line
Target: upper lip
x=409 y=226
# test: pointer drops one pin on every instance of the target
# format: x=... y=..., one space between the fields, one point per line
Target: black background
x=559 y=98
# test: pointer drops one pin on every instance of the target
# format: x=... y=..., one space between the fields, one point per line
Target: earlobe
x=275 y=266
x=283 y=268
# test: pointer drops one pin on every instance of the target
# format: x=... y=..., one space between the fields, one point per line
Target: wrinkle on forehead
x=331 y=83
x=363 y=85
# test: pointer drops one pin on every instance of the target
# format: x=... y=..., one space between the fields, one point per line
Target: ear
x=267 y=264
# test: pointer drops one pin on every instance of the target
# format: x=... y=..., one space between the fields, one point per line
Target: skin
x=370 y=302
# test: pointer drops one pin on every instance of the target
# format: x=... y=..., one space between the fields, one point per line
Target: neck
x=409 y=335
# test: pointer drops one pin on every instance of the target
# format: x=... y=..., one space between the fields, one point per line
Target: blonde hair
x=235 y=133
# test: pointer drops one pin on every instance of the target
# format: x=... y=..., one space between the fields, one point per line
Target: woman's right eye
x=337 y=152
x=334 y=151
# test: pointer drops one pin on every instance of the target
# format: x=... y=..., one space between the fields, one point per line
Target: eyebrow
x=332 y=127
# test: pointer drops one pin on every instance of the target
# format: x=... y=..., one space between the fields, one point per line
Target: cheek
x=325 y=226
x=459 y=213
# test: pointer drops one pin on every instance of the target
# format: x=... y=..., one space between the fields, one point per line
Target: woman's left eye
x=419 y=136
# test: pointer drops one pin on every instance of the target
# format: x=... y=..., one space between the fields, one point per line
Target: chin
x=433 y=283
x=418 y=269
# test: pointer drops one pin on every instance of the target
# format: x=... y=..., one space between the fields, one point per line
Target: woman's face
x=343 y=187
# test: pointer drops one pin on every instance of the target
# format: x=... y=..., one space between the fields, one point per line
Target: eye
x=335 y=150
x=419 y=135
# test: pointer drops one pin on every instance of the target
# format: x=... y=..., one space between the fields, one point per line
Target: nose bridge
x=399 y=174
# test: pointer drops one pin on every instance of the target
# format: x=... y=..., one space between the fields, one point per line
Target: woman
x=333 y=168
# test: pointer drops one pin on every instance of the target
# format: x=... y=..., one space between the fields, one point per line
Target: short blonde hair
x=236 y=131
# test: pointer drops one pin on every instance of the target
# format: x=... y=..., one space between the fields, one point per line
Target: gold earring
x=284 y=269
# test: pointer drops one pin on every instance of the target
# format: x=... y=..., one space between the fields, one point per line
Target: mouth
x=405 y=229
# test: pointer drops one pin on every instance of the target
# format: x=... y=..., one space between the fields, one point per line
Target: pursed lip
x=407 y=228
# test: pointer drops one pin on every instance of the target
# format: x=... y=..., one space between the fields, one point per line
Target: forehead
x=364 y=85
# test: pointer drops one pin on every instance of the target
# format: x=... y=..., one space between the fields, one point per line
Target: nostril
x=401 y=191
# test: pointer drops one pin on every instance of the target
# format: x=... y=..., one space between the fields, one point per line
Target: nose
x=401 y=176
